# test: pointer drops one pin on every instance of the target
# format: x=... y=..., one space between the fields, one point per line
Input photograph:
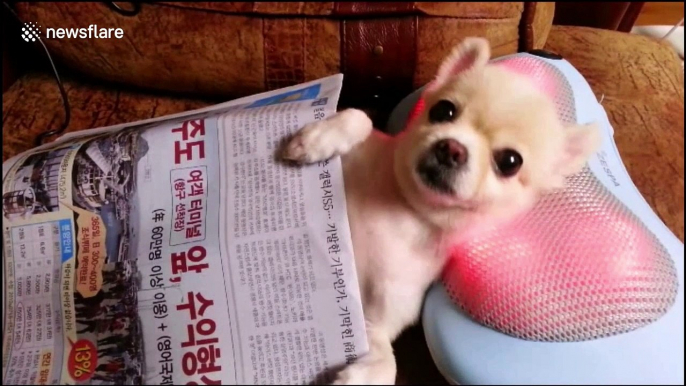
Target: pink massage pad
x=578 y=266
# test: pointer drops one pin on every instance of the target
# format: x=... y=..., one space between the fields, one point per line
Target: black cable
x=65 y=100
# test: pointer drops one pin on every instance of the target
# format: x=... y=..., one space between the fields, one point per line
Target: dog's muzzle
x=439 y=165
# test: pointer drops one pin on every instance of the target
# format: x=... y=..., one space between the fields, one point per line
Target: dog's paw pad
x=295 y=150
x=312 y=143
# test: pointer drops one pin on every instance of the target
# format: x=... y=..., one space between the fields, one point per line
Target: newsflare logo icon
x=30 y=32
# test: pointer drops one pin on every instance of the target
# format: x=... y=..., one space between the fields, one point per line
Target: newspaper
x=180 y=251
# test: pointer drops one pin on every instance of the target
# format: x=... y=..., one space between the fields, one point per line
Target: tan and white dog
x=484 y=148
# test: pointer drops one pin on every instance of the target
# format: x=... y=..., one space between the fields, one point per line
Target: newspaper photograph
x=179 y=250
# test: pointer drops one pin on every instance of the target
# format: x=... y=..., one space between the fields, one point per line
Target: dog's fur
x=401 y=227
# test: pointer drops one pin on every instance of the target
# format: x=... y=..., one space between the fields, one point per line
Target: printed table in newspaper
x=180 y=251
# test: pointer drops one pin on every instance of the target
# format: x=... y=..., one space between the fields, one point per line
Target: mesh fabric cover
x=579 y=266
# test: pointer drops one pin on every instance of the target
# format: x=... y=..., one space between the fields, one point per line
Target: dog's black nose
x=450 y=153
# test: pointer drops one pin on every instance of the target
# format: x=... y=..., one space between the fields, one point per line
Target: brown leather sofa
x=184 y=55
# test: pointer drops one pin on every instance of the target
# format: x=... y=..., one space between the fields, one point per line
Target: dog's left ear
x=580 y=142
x=473 y=53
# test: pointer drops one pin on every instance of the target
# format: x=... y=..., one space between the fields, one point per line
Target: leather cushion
x=33 y=105
x=234 y=49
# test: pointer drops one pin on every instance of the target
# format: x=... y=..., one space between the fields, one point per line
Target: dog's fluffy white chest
x=397 y=255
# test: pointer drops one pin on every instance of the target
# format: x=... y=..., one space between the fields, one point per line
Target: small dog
x=487 y=145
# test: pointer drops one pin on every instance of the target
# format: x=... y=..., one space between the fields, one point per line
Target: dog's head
x=488 y=142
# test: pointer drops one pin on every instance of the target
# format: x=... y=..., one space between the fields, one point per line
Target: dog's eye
x=508 y=162
x=443 y=111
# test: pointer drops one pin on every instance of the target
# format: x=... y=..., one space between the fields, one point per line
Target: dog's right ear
x=473 y=53
x=581 y=141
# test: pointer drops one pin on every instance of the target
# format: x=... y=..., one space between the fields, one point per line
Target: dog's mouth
x=437 y=181
x=436 y=178
x=439 y=165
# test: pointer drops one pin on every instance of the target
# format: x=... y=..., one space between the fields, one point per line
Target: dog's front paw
x=324 y=139
x=367 y=372
x=314 y=142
